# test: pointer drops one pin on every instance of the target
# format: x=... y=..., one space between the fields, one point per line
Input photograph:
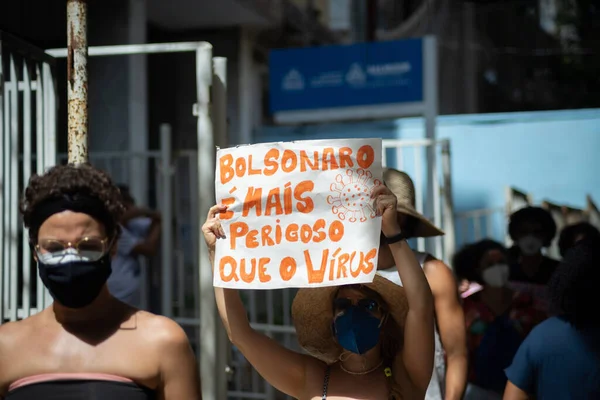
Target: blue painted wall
x=555 y=155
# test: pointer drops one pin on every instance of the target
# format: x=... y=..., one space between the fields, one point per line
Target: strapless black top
x=81 y=390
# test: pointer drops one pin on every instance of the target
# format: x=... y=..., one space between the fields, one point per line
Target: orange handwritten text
x=248 y=270
x=288 y=161
x=287 y=268
x=272 y=235
x=326 y=265
x=279 y=201
x=335 y=265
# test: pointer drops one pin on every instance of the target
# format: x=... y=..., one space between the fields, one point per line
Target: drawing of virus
x=352 y=195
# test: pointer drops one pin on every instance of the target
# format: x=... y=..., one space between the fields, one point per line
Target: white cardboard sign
x=300 y=214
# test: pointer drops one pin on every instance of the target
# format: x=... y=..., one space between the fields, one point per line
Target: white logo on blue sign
x=356 y=76
x=293 y=81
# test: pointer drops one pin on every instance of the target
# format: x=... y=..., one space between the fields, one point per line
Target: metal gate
x=203 y=328
x=28 y=137
x=490 y=223
x=483 y=223
x=28 y=132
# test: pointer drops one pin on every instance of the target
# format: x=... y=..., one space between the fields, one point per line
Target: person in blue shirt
x=560 y=359
x=140 y=236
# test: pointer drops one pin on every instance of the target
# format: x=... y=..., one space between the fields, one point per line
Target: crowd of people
x=489 y=330
x=507 y=293
x=507 y=323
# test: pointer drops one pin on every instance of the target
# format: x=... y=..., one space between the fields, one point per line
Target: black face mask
x=76 y=284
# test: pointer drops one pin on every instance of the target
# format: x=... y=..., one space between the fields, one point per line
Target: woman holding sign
x=372 y=341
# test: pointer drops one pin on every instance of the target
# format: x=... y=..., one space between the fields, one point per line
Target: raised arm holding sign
x=367 y=337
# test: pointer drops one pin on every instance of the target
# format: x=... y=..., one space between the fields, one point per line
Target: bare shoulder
x=9 y=335
x=162 y=331
x=176 y=360
x=14 y=333
x=434 y=267
x=14 y=340
x=439 y=275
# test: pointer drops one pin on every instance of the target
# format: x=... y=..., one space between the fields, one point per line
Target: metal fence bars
x=27 y=135
x=490 y=223
x=206 y=330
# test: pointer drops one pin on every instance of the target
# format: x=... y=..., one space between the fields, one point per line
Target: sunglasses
x=91 y=247
x=341 y=304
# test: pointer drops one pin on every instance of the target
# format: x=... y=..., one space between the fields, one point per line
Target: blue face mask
x=357 y=330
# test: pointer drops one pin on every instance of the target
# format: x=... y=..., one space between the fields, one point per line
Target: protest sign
x=300 y=214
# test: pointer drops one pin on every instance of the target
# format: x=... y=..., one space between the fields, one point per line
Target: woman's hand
x=386 y=205
x=212 y=228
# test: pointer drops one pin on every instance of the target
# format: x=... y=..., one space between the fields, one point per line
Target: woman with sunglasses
x=87 y=344
x=372 y=341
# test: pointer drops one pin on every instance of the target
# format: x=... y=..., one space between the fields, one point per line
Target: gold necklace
x=361 y=373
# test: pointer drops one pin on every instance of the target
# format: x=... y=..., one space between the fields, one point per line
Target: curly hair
x=72 y=179
x=466 y=261
x=533 y=214
x=570 y=233
x=574 y=285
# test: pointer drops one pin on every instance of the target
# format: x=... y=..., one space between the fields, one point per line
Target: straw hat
x=402 y=186
x=312 y=312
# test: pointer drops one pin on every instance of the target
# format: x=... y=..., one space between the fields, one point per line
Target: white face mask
x=496 y=275
x=530 y=245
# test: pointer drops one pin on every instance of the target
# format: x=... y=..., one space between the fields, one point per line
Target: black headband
x=76 y=202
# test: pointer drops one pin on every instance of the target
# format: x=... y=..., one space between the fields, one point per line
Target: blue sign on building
x=346 y=76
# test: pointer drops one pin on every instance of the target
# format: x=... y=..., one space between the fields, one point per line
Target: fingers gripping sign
x=386 y=206
x=212 y=228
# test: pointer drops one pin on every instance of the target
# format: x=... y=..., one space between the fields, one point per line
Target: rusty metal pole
x=77 y=80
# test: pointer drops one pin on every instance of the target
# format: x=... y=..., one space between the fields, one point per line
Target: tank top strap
x=326 y=382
